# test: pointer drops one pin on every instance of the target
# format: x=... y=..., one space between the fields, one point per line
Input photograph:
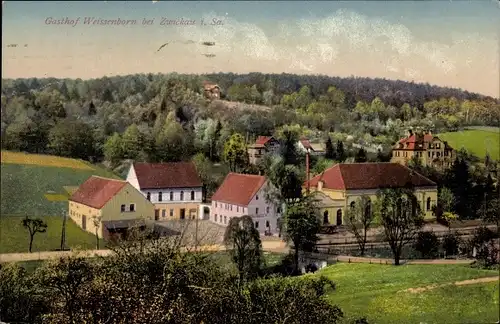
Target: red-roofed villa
x=263 y=145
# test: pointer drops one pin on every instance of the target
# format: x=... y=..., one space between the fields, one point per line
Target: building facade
x=245 y=194
x=105 y=207
x=429 y=149
x=346 y=183
x=174 y=188
x=263 y=145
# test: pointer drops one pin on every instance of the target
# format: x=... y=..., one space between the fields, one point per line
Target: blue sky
x=451 y=43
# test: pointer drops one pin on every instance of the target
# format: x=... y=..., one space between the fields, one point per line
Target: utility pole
x=63 y=232
x=196 y=231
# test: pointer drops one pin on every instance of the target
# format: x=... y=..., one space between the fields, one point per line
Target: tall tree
x=34 y=225
x=243 y=242
x=401 y=217
x=302 y=226
x=360 y=156
x=340 y=151
x=359 y=220
x=235 y=153
x=72 y=139
x=132 y=142
x=113 y=149
x=330 y=152
x=458 y=179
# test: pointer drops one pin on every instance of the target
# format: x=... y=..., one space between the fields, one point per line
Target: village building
x=263 y=145
x=428 y=148
x=342 y=185
x=107 y=207
x=211 y=90
x=174 y=188
x=245 y=194
x=317 y=149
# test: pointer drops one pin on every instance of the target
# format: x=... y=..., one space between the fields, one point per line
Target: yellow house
x=174 y=188
x=429 y=149
x=343 y=184
x=107 y=206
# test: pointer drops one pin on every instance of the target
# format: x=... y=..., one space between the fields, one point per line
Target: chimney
x=307 y=171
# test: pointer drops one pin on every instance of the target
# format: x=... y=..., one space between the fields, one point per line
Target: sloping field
x=381 y=293
x=476 y=141
x=39 y=185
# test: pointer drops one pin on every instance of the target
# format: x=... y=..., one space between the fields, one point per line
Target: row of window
x=224 y=220
x=419 y=154
x=368 y=206
x=171 y=196
x=229 y=207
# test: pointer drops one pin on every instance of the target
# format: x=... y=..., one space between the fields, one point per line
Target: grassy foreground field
x=377 y=292
x=39 y=185
x=476 y=141
x=14 y=238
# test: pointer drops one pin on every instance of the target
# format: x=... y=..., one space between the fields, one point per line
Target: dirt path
x=456 y=283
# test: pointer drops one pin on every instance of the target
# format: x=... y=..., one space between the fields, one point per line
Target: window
x=237 y=208
x=267 y=224
x=267 y=210
x=148 y=196
x=257 y=197
x=215 y=204
x=220 y=218
x=428 y=207
x=192 y=195
x=160 y=196
x=429 y=154
x=163 y=213
x=353 y=204
x=339 y=217
x=438 y=145
x=171 y=213
x=225 y=219
x=231 y=207
x=278 y=210
x=132 y=207
x=122 y=208
x=438 y=154
x=182 y=195
x=215 y=217
x=257 y=211
x=256 y=224
x=171 y=196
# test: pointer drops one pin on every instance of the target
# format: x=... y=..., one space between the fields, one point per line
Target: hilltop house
x=174 y=188
x=107 y=206
x=211 y=90
x=428 y=148
x=245 y=194
x=340 y=186
x=317 y=149
x=263 y=145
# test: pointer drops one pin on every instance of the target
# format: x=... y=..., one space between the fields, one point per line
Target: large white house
x=245 y=194
x=174 y=188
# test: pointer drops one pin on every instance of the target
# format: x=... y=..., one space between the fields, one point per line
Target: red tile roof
x=263 y=139
x=414 y=139
x=97 y=191
x=239 y=189
x=167 y=175
x=352 y=176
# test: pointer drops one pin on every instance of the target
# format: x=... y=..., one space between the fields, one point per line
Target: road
x=269 y=246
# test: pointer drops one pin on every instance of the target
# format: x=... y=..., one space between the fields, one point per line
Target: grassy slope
x=476 y=141
x=373 y=291
x=23 y=188
x=14 y=238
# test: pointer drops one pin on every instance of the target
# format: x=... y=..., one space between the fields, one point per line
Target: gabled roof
x=167 y=175
x=358 y=176
x=239 y=189
x=263 y=139
x=97 y=191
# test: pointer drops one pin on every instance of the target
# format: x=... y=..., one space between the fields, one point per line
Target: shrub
x=451 y=243
x=427 y=244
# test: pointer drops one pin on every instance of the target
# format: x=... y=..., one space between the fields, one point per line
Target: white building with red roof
x=174 y=188
x=245 y=194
